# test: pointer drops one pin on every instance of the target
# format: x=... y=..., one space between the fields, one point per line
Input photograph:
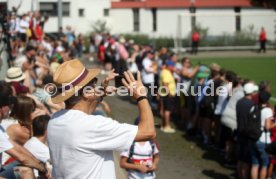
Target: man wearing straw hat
x=81 y=144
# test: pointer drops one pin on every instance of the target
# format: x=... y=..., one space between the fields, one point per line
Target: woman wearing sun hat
x=16 y=77
x=81 y=144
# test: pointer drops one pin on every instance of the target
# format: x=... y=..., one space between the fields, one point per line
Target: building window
x=106 y=12
x=154 y=19
x=238 y=18
x=193 y=17
x=51 y=8
x=81 y=12
x=136 y=20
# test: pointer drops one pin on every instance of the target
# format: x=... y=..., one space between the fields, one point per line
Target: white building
x=171 y=18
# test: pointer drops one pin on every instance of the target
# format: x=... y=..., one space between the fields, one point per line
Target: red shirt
x=101 y=53
x=195 y=37
x=263 y=36
x=39 y=32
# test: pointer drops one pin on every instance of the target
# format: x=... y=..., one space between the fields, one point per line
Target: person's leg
x=167 y=118
x=239 y=169
x=246 y=170
x=193 y=48
x=196 y=47
x=206 y=129
x=254 y=172
x=263 y=173
x=25 y=172
x=270 y=170
x=8 y=170
x=264 y=160
x=264 y=46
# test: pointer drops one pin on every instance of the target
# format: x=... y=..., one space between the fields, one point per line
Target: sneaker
x=169 y=130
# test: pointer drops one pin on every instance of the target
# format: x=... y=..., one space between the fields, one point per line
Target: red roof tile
x=180 y=3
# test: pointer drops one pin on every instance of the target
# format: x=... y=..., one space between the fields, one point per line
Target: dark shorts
x=244 y=149
x=23 y=37
x=259 y=156
x=168 y=102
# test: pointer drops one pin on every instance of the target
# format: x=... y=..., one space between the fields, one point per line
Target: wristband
x=141 y=98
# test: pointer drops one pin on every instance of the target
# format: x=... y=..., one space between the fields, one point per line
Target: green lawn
x=255 y=68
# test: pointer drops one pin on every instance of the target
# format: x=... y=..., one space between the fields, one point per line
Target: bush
x=142 y=39
x=246 y=37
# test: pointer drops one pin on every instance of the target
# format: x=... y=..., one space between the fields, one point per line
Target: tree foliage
x=264 y=3
x=100 y=26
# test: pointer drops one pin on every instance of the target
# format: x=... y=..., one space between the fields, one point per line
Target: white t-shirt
x=4 y=143
x=49 y=48
x=20 y=60
x=266 y=113
x=147 y=77
x=38 y=149
x=23 y=25
x=142 y=154
x=17 y=25
x=81 y=145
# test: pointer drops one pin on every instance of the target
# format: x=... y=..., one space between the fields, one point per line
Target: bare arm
x=25 y=157
x=187 y=74
x=269 y=124
x=154 y=163
x=106 y=107
x=146 y=129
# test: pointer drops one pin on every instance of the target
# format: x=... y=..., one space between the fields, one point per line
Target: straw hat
x=71 y=76
x=14 y=74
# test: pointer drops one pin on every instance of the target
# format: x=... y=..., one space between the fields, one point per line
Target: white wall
x=260 y=18
x=93 y=12
x=146 y=20
x=121 y=21
x=167 y=22
x=218 y=21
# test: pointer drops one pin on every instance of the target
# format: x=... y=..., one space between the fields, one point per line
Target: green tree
x=100 y=26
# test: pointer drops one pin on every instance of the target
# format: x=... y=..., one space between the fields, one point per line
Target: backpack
x=131 y=151
x=253 y=128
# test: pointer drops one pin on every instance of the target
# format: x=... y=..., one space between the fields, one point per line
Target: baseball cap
x=202 y=75
x=250 y=88
x=170 y=63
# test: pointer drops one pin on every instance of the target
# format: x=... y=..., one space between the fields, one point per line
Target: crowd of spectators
x=220 y=119
x=33 y=57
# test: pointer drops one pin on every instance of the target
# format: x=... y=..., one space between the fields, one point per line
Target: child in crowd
x=141 y=159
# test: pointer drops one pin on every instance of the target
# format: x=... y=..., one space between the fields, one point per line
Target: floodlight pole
x=59 y=13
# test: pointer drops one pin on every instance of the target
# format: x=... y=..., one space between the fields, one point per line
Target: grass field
x=255 y=68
